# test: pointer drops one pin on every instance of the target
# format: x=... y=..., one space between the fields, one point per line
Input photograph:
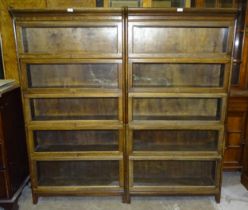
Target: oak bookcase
x=125 y=101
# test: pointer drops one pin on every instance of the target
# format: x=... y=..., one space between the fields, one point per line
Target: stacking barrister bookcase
x=178 y=80
x=125 y=101
x=72 y=81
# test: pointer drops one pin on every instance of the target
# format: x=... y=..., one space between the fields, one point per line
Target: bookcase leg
x=35 y=198
x=126 y=198
x=217 y=198
x=123 y=198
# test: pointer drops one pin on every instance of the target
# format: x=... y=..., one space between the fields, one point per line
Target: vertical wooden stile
x=126 y=198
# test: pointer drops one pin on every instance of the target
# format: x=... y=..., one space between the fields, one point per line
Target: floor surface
x=234 y=197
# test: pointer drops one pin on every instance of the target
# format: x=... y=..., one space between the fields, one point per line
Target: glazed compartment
x=73 y=75
x=52 y=39
x=174 y=173
x=74 y=108
x=76 y=140
x=78 y=173
x=178 y=75
x=177 y=108
x=167 y=140
x=210 y=40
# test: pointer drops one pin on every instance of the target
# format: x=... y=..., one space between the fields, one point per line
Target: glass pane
x=235 y=73
x=83 y=140
x=210 y=3
x=125 y=3
x=227 y=3
x=78 y=173
x=100 y=3
x=177 y=3
x=161 y=3
x=178 y=40
x=237 y=51
x=74 y=108
x=70 y=40
x=72 y=75
x=176 y=108
x=175 y=140
x=174 y=173
x=177 y=75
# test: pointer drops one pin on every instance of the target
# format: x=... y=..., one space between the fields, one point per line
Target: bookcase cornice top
x=129 y=11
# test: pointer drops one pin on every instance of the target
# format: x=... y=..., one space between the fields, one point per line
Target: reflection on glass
x=125 y=3
x=177 y=75
x=79 y=75
x=238 y=46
